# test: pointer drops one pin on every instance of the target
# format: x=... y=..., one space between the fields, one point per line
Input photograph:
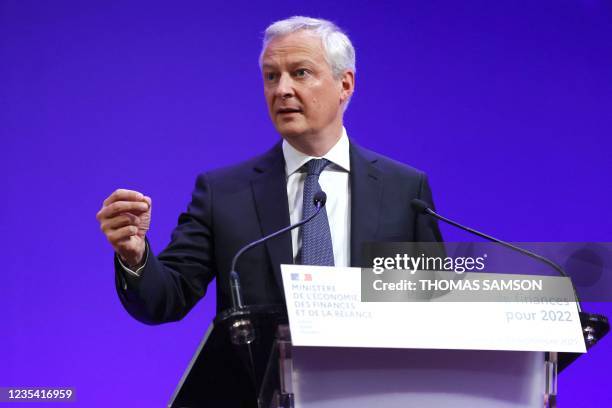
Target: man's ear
x=347 y=82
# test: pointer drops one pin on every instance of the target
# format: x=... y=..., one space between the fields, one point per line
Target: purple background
x=506 y=105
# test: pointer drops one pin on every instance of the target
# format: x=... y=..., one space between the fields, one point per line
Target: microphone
x=422 y=207
x=241 y=331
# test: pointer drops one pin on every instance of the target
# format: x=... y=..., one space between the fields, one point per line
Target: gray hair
x=338 y=49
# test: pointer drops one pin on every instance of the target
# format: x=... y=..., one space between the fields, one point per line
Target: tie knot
x=316 y=166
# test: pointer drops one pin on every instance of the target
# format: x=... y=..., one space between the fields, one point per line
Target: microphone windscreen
x=320 y=198
x=419 y=206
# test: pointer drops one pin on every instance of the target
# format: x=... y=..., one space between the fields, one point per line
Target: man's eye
x=300 y=73
x=270 y=76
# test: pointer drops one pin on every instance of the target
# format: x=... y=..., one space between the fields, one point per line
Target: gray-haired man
x=308 y=69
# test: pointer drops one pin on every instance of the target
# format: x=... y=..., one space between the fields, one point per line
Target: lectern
x=353 y=359
x=354 y=377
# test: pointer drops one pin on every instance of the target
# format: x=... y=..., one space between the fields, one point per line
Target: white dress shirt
x=334 y=181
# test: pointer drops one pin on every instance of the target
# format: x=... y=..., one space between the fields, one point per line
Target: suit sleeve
x=427 y=229
x=171 y=283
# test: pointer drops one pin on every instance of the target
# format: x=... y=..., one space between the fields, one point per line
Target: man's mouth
x=288 y=110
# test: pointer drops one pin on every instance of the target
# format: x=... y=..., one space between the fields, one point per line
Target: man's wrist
x=133 y=262
x=139 y=265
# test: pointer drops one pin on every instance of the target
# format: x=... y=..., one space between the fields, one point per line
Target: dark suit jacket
x=237 y=205
x=233 y=206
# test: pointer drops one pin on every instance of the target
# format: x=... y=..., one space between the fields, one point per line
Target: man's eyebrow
x=302 y=62
x=268 y=66
x=291 y=64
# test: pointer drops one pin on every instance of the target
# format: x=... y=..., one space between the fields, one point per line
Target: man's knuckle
x=116 y=207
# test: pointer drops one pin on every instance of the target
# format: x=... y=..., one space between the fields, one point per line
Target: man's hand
x=125 y=218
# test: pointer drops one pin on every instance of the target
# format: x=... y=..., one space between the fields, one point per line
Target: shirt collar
x=338 y=155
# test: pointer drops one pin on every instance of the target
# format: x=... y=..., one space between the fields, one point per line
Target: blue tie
x=316 y=236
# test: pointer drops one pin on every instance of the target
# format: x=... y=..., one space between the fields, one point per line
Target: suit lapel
x=270 y=194
x=366 y=196
x=269 y=186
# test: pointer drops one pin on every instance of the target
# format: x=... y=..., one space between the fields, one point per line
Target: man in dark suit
x=308 y=68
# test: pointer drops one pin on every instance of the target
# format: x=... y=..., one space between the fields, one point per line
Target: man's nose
x=285 y=86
